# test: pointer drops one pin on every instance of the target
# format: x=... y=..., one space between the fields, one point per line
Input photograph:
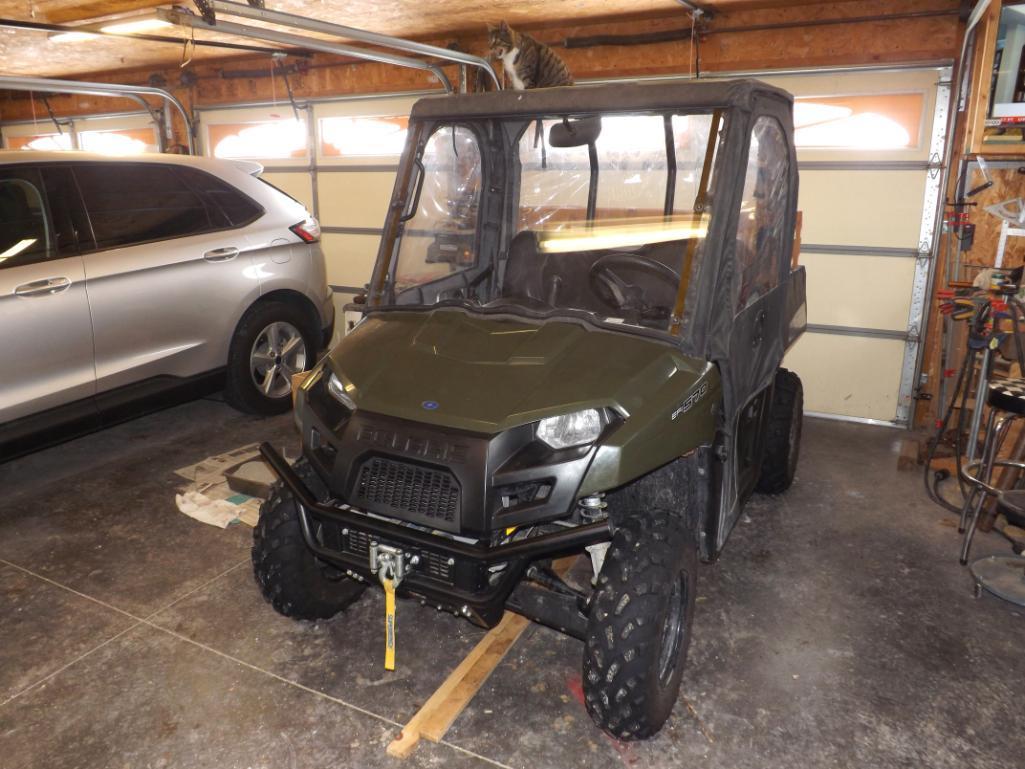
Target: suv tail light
x=308 y=230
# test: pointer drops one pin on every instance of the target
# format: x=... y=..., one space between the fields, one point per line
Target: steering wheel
x=618 y=293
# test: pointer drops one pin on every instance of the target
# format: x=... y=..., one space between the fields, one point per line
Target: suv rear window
x=130 y=203
x=280 y=191
x=232 y=207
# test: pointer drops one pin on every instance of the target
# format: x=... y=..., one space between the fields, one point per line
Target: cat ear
x=504 y=25
x=491 y=27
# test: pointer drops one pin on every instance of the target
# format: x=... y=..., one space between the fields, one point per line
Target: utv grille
x=403 y=488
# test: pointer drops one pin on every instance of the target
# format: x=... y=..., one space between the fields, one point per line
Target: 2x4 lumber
x=443 y=707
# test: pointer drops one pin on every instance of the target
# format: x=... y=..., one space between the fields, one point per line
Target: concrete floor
x=837 y=630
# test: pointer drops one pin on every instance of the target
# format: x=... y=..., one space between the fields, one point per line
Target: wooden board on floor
x=443 y=707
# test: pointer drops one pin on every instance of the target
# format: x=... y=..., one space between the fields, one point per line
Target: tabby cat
x=528 y=63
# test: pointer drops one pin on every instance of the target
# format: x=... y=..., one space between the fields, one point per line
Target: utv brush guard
x=442 y=571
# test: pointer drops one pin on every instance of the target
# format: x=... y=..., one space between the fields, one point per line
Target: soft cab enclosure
x=572 y=340
x=740 y=304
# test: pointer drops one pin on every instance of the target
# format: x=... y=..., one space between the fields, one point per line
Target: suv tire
x=266 y=327
x=639 y=626
x=783 y=437
x=293 y=580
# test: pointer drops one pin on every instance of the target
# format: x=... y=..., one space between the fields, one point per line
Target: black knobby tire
x=294 y=581
x=783 y=439
x=639 y=626
x=240 y=389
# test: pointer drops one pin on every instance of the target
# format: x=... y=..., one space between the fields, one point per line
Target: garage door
x=338 y=158
x=869 y=148
x=869 y=145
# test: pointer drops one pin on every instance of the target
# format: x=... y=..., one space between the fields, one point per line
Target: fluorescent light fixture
x=623 y=233
x=118 y=25
x=71 y=37
x=17 y=248
x=130 y=27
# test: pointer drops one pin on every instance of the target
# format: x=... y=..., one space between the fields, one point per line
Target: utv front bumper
x=470 y=578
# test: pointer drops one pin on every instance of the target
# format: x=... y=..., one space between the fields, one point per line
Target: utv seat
x=524 y=279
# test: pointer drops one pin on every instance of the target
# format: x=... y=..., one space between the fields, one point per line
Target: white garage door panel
x=848 y=375
x=858 y=291
x=298 y=185
x=350 y=258
x=355 y=198
x=862 y=208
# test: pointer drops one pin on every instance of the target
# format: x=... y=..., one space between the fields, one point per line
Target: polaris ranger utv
x=571 y=340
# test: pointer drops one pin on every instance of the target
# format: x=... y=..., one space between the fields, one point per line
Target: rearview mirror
x=575 y=133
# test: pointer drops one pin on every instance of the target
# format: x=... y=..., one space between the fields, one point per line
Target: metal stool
x=1006 y=397
x=1001 y=575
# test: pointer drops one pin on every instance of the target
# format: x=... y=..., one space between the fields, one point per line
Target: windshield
x=601 y=217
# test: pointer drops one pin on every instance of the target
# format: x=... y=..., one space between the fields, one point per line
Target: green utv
x=571 y=341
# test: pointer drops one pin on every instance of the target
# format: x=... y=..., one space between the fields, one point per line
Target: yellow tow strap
x=389 y=624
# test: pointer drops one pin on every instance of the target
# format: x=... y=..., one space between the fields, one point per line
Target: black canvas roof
x=582 y=99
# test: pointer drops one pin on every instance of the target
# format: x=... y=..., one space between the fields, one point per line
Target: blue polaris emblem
x=430 y=405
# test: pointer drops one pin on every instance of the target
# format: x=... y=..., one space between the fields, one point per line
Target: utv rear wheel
x=294 y=581
x=639 y=627
x=273 y=341
x=783 y=440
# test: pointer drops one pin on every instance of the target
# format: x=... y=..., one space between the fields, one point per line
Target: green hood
x=488 y=375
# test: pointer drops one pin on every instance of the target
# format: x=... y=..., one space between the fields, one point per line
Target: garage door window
x=760 y=228
x=128 y=141
x=262 y=140
x=379 y=136
x=886 y=121
x=24 y=234
x=46 y=142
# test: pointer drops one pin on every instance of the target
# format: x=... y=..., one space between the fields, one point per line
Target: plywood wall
x=1008 y=183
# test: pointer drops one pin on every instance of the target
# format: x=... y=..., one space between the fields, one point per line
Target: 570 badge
x=693 y=398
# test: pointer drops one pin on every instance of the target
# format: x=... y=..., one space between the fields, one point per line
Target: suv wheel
x=294 y=581
x=783 y=440
x=272 y=342
x=639 y=626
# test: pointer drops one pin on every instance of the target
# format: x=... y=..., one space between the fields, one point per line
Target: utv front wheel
x=639 y=627
x=294 y=581
x=783 y=440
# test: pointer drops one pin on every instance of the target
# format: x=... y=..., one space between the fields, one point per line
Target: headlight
x=567 y=430
x=337 y=389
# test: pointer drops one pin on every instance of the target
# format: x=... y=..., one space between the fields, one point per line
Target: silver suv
x=130 y=284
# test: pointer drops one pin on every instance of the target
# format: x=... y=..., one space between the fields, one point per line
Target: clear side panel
x=439 y=239
x=763 y=211
x=690 y=140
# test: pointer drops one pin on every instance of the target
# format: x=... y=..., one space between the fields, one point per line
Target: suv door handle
x=43 y=287
x=221 y=254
